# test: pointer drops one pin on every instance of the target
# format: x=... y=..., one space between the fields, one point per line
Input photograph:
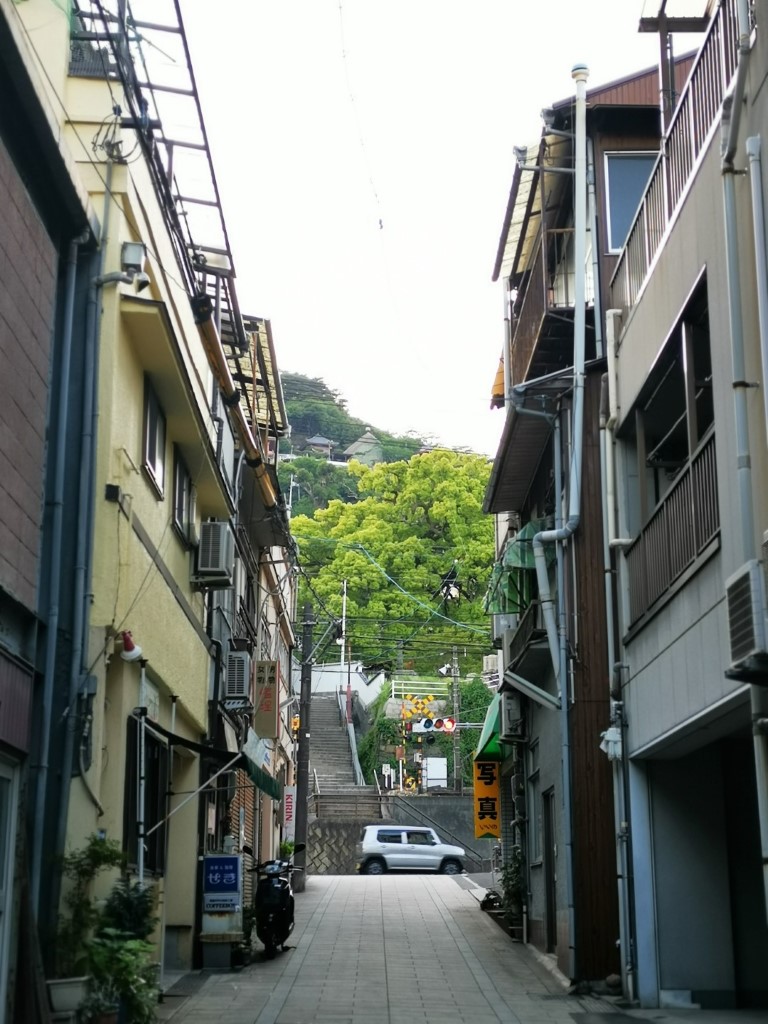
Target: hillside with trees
x=314 y=408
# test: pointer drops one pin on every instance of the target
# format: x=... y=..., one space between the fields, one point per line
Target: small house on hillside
x=319 y=445
x=367 y=449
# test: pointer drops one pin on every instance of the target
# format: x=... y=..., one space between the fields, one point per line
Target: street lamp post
x=457 y=771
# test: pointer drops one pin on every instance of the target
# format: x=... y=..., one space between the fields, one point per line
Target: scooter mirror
x=299 y=847
x=247 y=849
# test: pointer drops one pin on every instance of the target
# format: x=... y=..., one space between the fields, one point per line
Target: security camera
x=141 y=280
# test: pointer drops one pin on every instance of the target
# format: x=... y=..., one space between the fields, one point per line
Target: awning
x=518 y=554
x=253 y=755
x=497 y=392
x=524 y=440
x=490 y=747
x=531 y=690
x=260 y=778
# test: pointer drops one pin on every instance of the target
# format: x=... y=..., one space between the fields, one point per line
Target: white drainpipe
x=557 y=641
x=759 y=694
x=732 y=107
x=580 y=74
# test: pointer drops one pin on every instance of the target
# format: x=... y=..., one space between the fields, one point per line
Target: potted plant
x=122 y=965
x=67 y=990
x=102 y=1003
x=120 y=957
x=513 y=886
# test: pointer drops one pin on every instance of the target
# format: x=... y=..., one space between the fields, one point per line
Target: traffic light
x=432 y=725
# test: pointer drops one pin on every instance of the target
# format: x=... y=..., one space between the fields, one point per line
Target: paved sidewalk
x=400 y=949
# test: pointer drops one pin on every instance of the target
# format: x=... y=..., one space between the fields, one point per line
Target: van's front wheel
x=450 y=867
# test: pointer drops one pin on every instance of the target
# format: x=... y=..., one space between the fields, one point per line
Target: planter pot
x=106 y=1017
x=66 y=994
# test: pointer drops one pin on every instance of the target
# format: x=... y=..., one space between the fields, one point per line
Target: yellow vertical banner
x=487 y=800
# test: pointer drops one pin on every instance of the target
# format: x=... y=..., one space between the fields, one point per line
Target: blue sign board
x=221 y=883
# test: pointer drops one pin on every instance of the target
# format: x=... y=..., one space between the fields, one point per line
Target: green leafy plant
x=123 y=965
x=513 y=884
x=81 y=916
x=286 y=849
x=130 y=908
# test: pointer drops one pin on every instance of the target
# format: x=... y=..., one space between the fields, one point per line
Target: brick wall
x=27 y=297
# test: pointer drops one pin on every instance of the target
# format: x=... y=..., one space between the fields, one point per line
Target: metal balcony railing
x=690 y=128
x=682 y=525
x=549 y=285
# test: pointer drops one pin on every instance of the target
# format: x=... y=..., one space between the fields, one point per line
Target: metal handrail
x=359 y=777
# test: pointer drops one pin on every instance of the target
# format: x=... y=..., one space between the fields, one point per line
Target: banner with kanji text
x=487 y=800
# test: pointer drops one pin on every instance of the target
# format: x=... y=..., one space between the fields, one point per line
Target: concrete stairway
x=330 y=758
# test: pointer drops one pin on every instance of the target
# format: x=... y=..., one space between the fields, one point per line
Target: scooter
x=274 y=902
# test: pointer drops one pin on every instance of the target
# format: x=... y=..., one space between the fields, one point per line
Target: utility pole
x=302 y=761
x=457 y=769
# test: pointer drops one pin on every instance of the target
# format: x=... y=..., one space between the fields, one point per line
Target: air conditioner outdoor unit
x=215 y=554
x=510 y=718
x=745 y=599
x=237 y=685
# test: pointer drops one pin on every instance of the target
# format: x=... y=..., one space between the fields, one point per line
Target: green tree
x=415 y=525
x=318 y=482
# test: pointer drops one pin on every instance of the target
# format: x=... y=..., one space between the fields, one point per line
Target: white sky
x=415 y=129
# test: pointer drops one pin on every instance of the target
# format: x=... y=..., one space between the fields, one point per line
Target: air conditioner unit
x=215 y=555
x=237 y=684
x=501 y=623
x=745 y=600
x=510 y=718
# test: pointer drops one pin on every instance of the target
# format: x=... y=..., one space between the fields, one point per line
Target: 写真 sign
x=221 y=883
x=487 y=802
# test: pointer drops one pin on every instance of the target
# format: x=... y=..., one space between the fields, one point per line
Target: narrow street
x=401 y=949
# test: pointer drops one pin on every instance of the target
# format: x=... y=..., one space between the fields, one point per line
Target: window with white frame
x=183 y=498
x=673 y=414
x=154 y=438
x=626 y=177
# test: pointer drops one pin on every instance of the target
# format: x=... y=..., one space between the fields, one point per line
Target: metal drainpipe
x=596 y=289
x=580 y=74
x=759 y=694
x=619 y=808
x=84 y=550
x=754 y=145
x=565 y=739
x=732 y=106
x=54 y=579
x=507 y=339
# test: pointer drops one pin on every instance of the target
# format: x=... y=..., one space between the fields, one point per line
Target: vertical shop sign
x=487 y=801
x=289 y=813
x=265 y=719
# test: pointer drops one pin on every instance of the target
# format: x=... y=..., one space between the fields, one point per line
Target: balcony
x=688 y=134
x=682 y=526
x=542 y=329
